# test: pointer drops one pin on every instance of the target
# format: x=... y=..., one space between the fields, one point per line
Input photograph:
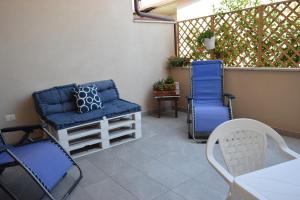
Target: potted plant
x=207 y=38
x=165 y=87
x=175 y=61
x=169 y=84
x=158 y=86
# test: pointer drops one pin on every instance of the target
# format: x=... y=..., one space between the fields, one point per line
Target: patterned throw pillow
x=87 y=98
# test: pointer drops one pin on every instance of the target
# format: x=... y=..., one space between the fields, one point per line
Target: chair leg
x=189 y=121
x=229 y=197
x=1 y=170
x=74 y=184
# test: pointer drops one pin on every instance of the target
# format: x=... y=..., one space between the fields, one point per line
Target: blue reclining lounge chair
x=44 y=160
x=206 y=106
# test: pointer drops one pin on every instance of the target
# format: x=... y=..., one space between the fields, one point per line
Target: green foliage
x=284 y=45
x=230 y=46
x=169 y=80
x=174 y=61
x=237 y=38
x=233 y=5
x=198 y=50
x=167 y=84
x=158 y=86
x=169 y=87
x=206 y=34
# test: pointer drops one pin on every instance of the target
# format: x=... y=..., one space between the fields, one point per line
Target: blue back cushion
x=107 y=90
x=55 y=100
x=207 y=78
x=61 y=99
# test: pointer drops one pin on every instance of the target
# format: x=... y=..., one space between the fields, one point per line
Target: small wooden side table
x=167 y=98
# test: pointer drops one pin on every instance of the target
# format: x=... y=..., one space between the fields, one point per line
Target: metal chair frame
x=26 y=140
x=190 y=110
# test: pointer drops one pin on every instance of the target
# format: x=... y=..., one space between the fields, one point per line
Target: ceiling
x=163 y=7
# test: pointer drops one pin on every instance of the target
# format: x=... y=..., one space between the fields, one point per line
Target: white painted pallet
x=99 y=135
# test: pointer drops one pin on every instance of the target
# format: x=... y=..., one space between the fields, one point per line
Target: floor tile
x=126 y=175
x=108 y=190
x=80 y=194
x=169 y=196
x=212 y=180
x=91 y=174
x=107 y=162
x=193 y=190
x=145 y=188
x=163 y=165
x=163 y=174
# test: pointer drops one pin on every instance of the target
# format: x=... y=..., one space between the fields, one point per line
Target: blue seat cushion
x=44 y=158
x=208 y=115
x=110 y=109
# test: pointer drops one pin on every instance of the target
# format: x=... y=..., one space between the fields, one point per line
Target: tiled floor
x=163 y=165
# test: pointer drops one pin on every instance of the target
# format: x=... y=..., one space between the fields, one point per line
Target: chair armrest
x=189 y=98
x=280 y=142
x=26 y=129
x=229 y=96
x=221 y=170
x=290 y=152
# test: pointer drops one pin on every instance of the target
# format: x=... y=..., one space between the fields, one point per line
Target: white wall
x=189 y=9
x=55 y=42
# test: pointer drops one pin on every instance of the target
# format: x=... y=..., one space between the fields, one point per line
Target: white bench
x=92 y=137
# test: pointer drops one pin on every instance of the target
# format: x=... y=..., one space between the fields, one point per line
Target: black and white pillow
x=87 y=98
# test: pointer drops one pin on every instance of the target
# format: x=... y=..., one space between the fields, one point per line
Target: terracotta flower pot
x=164 y=93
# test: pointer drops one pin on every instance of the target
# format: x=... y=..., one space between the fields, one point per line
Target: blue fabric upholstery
x=207 y=80
x=45 y=159
x=1 y=142
x=110 y=109
x=57 y=105
x=207 y=92
x=107 y=90
x=120 y=106
x=55 y=100
x=209 y=116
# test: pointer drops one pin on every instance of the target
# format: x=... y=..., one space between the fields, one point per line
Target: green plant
x=169 y=87
x=169 y=80
x=237 y=40
x=206 y=34
x=233 y=5
x=174 y=61
x=158 y=86
x=167 y=84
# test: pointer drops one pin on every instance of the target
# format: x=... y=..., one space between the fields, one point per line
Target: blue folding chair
x=44 y=160
x=206 y=105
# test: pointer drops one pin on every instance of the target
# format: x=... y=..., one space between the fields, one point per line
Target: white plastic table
x=278 y=182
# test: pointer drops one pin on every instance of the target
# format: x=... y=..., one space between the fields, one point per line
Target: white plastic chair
x=243 y=143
